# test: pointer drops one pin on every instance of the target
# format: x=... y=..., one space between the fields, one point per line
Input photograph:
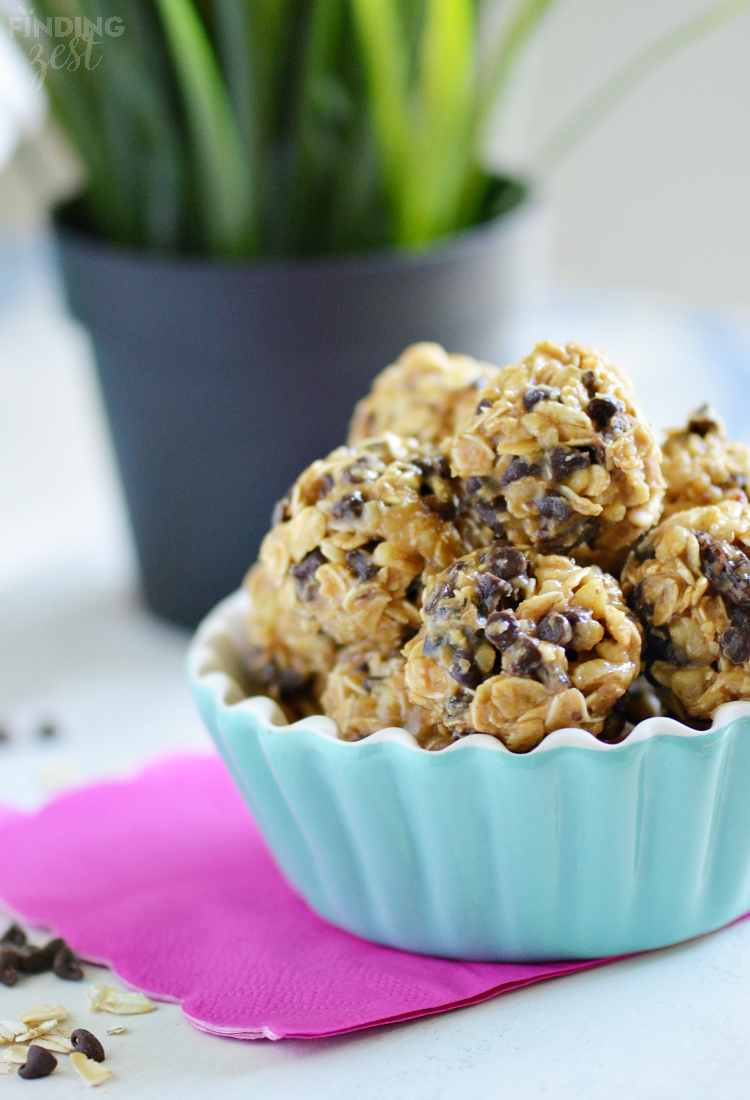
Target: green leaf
x=227 y=210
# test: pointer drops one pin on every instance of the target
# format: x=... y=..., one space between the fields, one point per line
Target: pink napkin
x=165 y=877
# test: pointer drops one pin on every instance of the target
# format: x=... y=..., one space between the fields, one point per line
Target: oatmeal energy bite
x=366 y=692
x=689 y=583
x=560 y=455
x=518 y=644
x=427 y=394
x=702 y=465
x=359 y=534
x=286 y=653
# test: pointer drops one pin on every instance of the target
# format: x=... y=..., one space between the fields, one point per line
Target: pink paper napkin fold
x=166 y=878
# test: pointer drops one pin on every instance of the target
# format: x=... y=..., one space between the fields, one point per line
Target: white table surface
x=77 y=647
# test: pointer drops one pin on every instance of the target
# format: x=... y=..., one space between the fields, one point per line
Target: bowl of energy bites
x=487 y=688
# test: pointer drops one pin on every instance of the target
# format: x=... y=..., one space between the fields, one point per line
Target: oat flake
x=93 y=1073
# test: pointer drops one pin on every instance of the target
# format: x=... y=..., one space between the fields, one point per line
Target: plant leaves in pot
x=277 y=200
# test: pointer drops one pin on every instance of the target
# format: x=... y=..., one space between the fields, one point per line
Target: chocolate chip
x=10 y=966
x=441 y=591
x=464 y=669
x=304 y=572
x=702 y=421
x=522 y=658
x=279 y=511
x=515 y=470
x=86 y=1043
x=554 y=628
x=600 y=451
x=15 y=936
x=589 y=380
x=327 y=482
x=502 y=630
x=433 y=467
x=563 y=462
x=446 y=509
x=553 y=677
x=349 y=506
x=491 y=512
x=67 y=966
x=475 y=484
x=490 y=593
x=361 y=564
x=291 y=684
x=485 y=403
x=35 y=960
x=726 y=568
x=507 y=562
x=614 y=724
x=553 y=505
x=735 y=645
x=39 y=1063
x=602 y=409
x=535 y=394
x=576 y=615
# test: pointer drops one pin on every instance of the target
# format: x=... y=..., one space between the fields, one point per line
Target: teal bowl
x=575 y=850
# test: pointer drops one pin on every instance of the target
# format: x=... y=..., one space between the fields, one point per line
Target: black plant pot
x=222 y=380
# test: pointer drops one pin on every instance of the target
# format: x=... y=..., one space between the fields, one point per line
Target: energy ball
x=287 y=656
x=689 y=583
x=366 y=692
x=358 y=536
x=519 y=644
x=702 y=465
x=427 y=394
x=559 y=455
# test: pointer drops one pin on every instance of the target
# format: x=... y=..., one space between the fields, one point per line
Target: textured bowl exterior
x=574 y=850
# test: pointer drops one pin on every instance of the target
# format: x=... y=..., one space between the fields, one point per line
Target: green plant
x=247 y=127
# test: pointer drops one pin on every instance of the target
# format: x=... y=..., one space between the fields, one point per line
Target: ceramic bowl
x=577 y=849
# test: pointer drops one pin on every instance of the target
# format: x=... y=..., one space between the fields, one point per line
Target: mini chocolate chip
x=702 y=421
x=327 y=482
x=349 y=506
x=589 y=380
x=39 y=1063
x=10 y=966
x=563 y=462
x=35 y=960
x=553 y=505
x=535 y=394
x=726 y=568
x=279 y=511
x=502 y=630
x=464 y=669
x=602 y=409
x=446 y=509
x=600 y=451
x=552 y=676
x=304 y=572
x=515 y=470
x=15 y=936
x=576 y=615
x=614 y=724
x=67 y=966
x=86 y=1043
x=291 y=684
x=491 y=591
x=441 y=591
x=554 y=628
x=361 y=564
x=474 y=485
x=735 y=645
x=433 y=467
x=507 y=562
x=485 y=403
x=523 y=657
x=490 y=512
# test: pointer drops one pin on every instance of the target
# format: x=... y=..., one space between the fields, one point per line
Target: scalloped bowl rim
x=225 y=621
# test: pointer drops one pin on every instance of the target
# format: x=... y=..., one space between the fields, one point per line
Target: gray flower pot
x=222 y=380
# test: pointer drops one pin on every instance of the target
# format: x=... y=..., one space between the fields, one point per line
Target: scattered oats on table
x=560 y=455
x=519 y=644
x=105 y=998
x=426 y=394
x=689 y=583
x=93 y=1073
